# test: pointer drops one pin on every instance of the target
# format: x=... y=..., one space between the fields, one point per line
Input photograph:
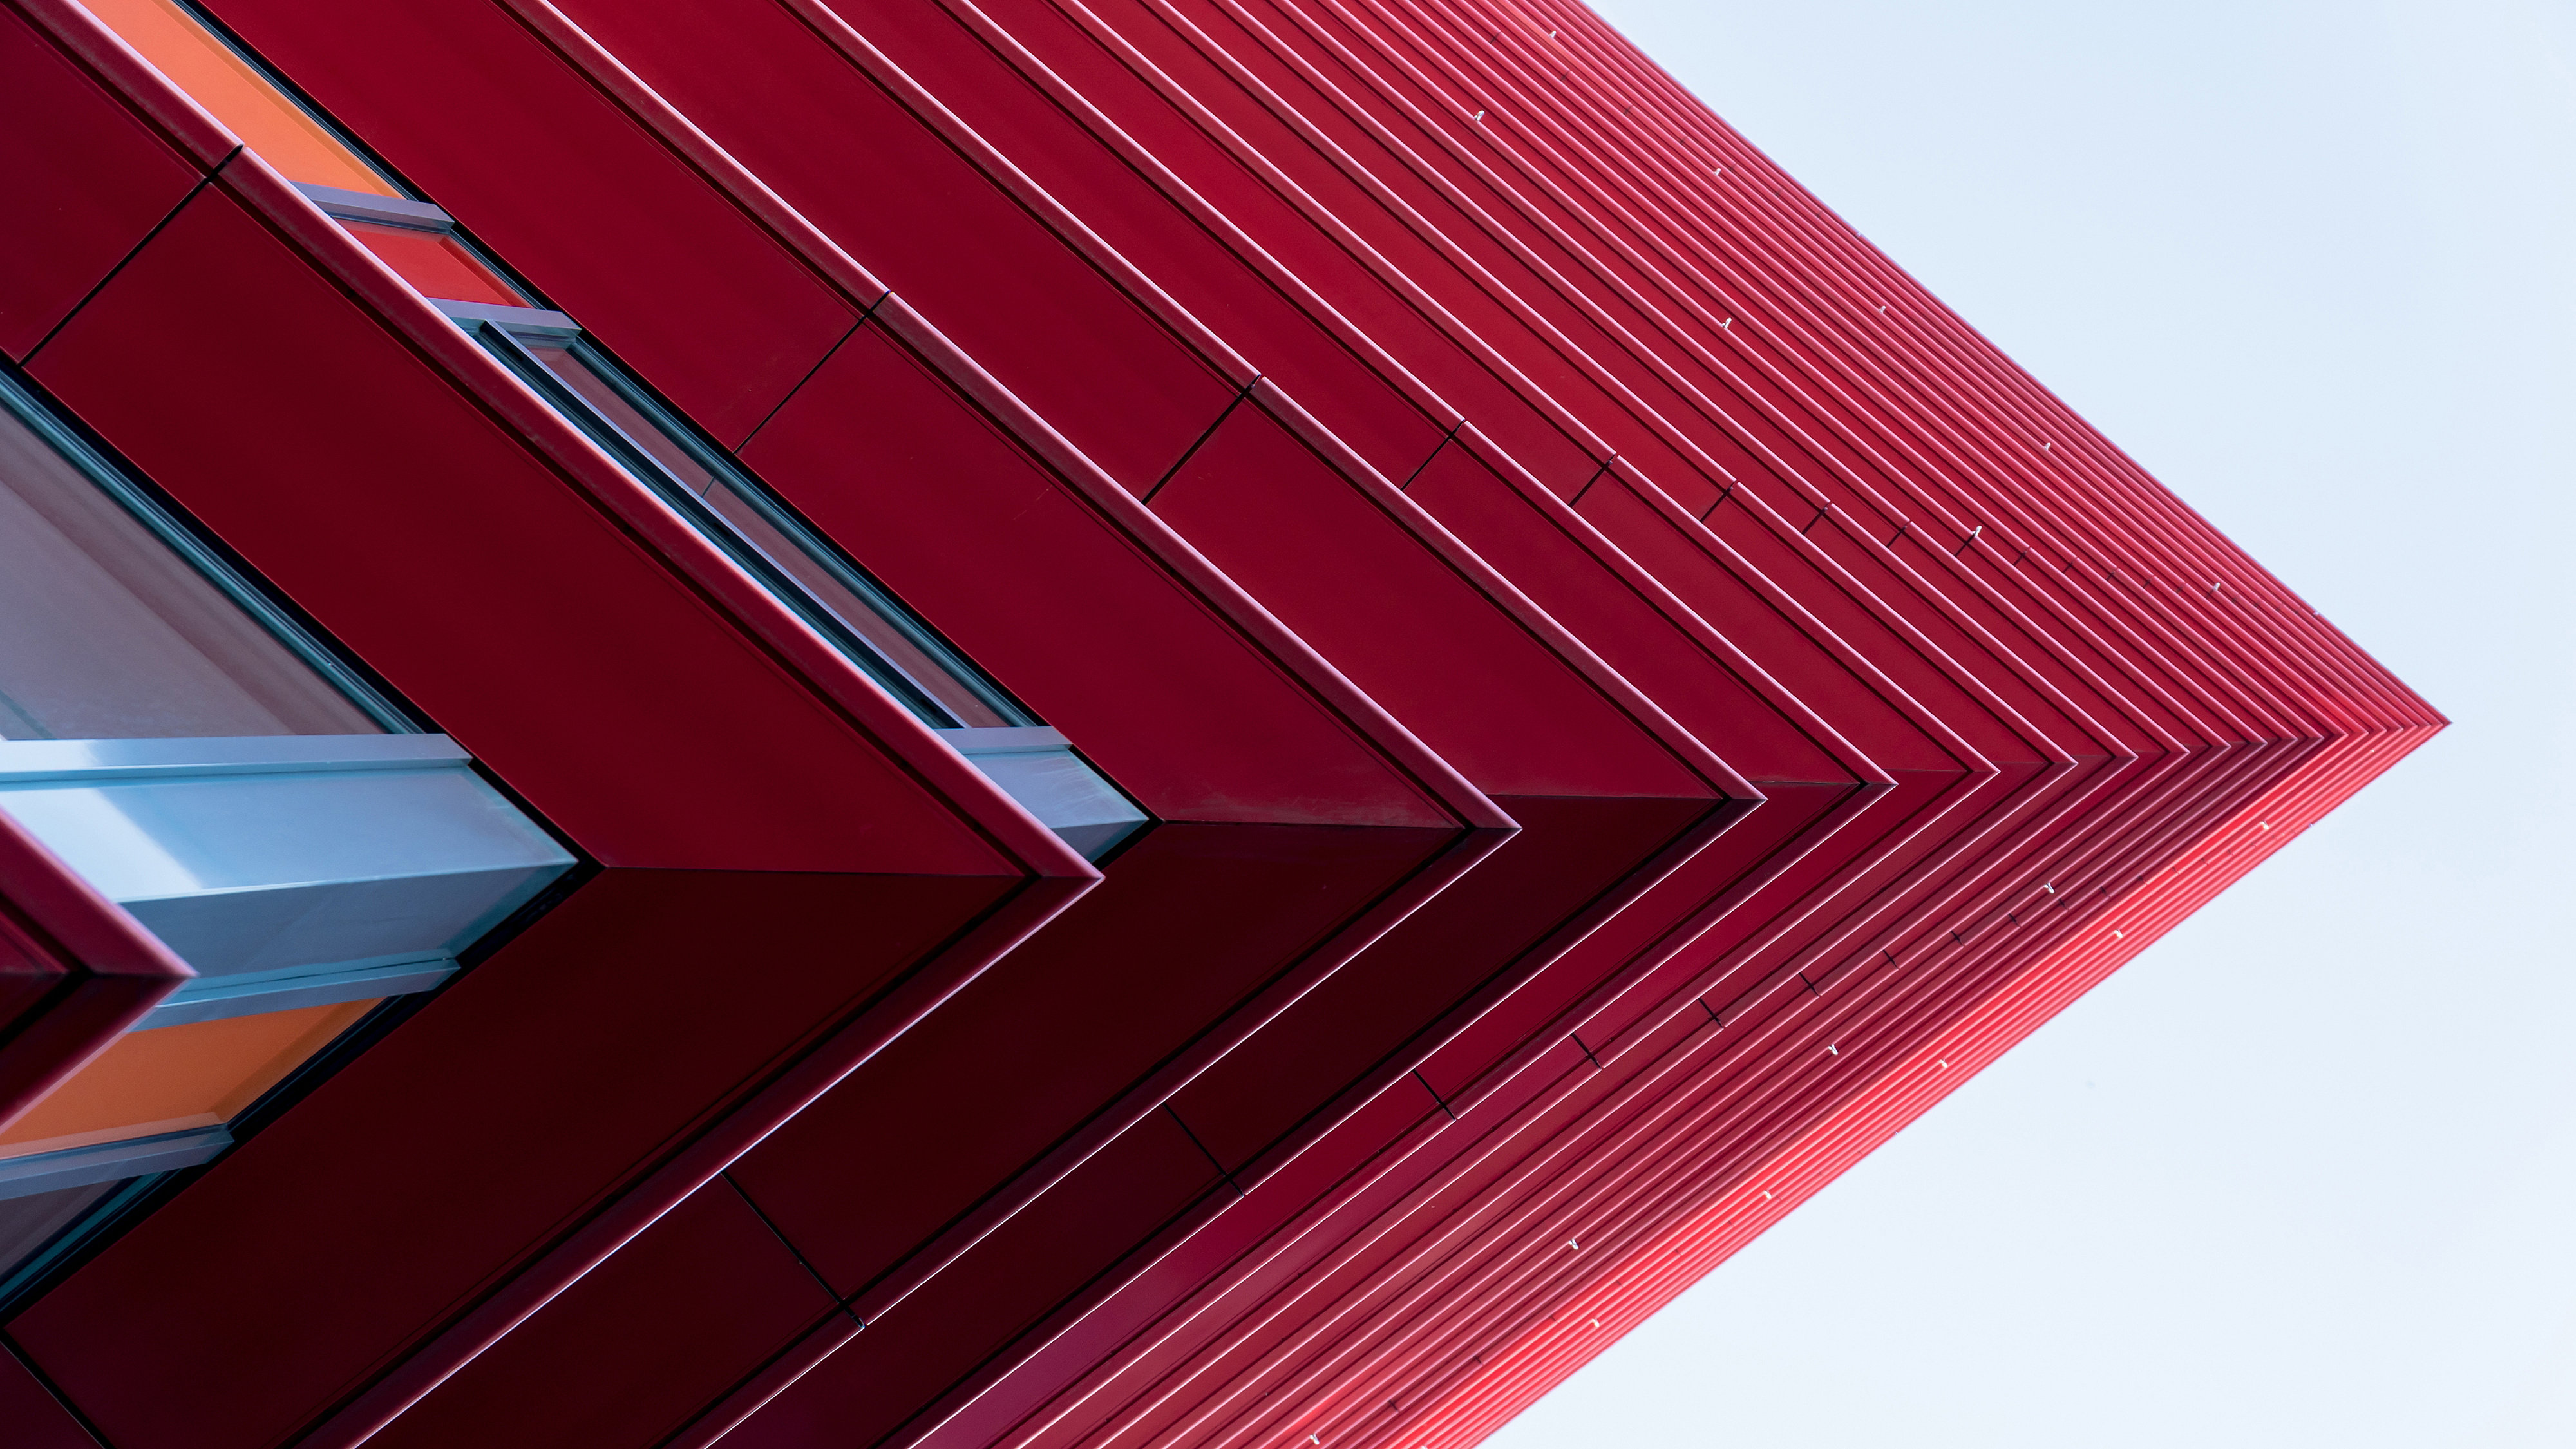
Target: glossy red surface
x=1629 y=683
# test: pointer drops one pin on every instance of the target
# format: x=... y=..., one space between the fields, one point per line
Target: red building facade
x=1038 y=724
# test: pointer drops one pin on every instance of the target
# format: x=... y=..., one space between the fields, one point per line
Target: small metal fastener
x=1576 y=1246
x=1945 y=1066
x=2262 y=824
x=1480 y=115
x=1596 y=1323
x=2117 y=935
x=1766 y=1197
x=1833 y=1051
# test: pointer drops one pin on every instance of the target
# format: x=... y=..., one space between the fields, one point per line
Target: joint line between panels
x=1441 y=1101
x=46 y=1382
x=828 y=354
x=1169 y=1111
x=838 y=1302
x=131 y=253
x=1446 y=439
x=1199 y=442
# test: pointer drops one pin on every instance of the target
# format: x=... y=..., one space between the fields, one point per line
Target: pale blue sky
x=2304 y=1174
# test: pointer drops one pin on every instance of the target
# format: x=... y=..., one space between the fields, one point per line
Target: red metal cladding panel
x=1051 y=135
x=36 y=1419
x=1207 y=158
x=2005 y=696
x=80 y=201
x=1188 y=922
x=1476 y=684
x=1561 y=574
x=713 y=310
x=990 y=275
x=1096 y=635
x=1878 y=717
x=721 y=1289
x=533 y=628
x=908 y=1355
x=521 y=1080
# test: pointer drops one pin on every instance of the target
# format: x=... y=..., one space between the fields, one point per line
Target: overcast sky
x=2305 y=1172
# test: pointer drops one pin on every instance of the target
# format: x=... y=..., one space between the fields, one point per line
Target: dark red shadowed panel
x=1568 y=852
x=535 y=631
x=723 y=1292
x=82 y=199
x=1186 y=924
x=1114 y=1202
x=1172 y=702
x=467 y=104
x=980 y=267
x=35 y=1420
x=469 y=1138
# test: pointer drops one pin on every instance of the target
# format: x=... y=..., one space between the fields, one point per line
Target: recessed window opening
x=663 y=450
x=178 y=742
x=421 y=244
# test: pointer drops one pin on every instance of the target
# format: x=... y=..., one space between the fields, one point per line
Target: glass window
x=152 y=1083
x=111 y=628
x=239 y=94
x=177 y=740
x=435 y=261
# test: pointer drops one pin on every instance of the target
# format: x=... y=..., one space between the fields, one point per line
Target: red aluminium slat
x=1480 y=130
x=1624 y=1295
x=1685 y=193
x=1591 y=1232
x=1794 y=989
x=1588 y=1236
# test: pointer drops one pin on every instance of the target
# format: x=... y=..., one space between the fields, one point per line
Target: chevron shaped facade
x=1177 y=724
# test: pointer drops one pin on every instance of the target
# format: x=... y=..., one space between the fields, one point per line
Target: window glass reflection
x=106 y=633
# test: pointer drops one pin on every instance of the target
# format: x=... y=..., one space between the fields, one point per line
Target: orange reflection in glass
x=435 y=263
x=237 y=95
x=173 y=1078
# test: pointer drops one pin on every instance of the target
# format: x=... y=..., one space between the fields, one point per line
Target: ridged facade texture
x=1635 y=702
